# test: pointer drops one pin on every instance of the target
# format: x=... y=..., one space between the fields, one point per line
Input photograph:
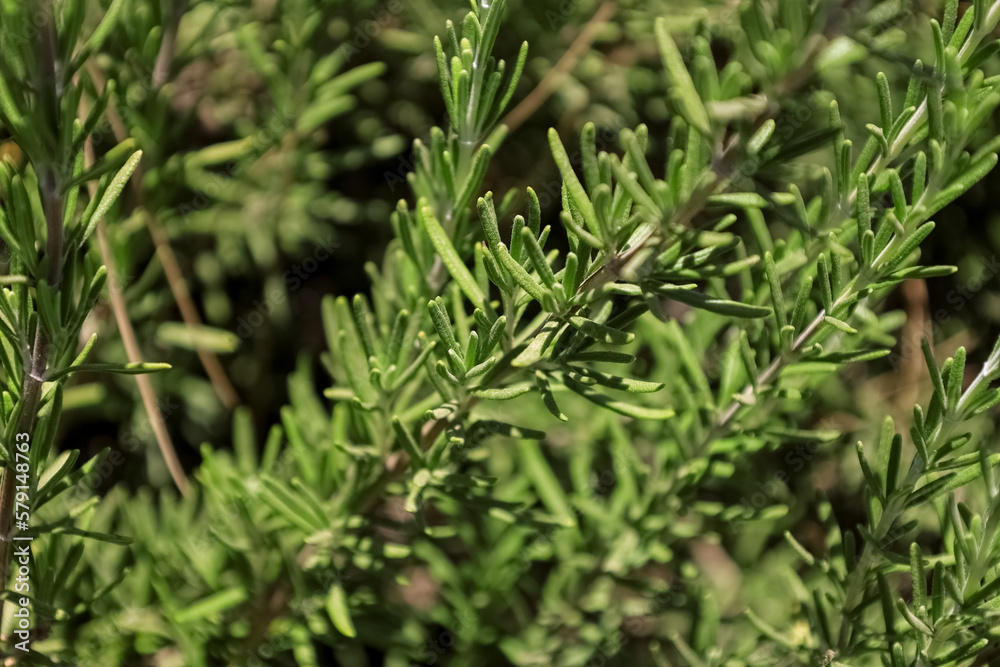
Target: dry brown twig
x=555 y=76
x=132 y=350
x=171 y=267
x=146 y=390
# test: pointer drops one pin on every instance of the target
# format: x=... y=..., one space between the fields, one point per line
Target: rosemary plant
x=533 y=436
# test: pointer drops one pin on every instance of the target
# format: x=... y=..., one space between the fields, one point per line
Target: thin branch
x=396 y=464
x=171 y=267
x=132 y=349
x=555 y=76
x=189 y=312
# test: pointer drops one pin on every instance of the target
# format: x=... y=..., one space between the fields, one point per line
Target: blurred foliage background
x=247 y=195
x=251 y=197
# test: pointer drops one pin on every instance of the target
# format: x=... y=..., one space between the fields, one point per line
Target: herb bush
x=623 y=416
